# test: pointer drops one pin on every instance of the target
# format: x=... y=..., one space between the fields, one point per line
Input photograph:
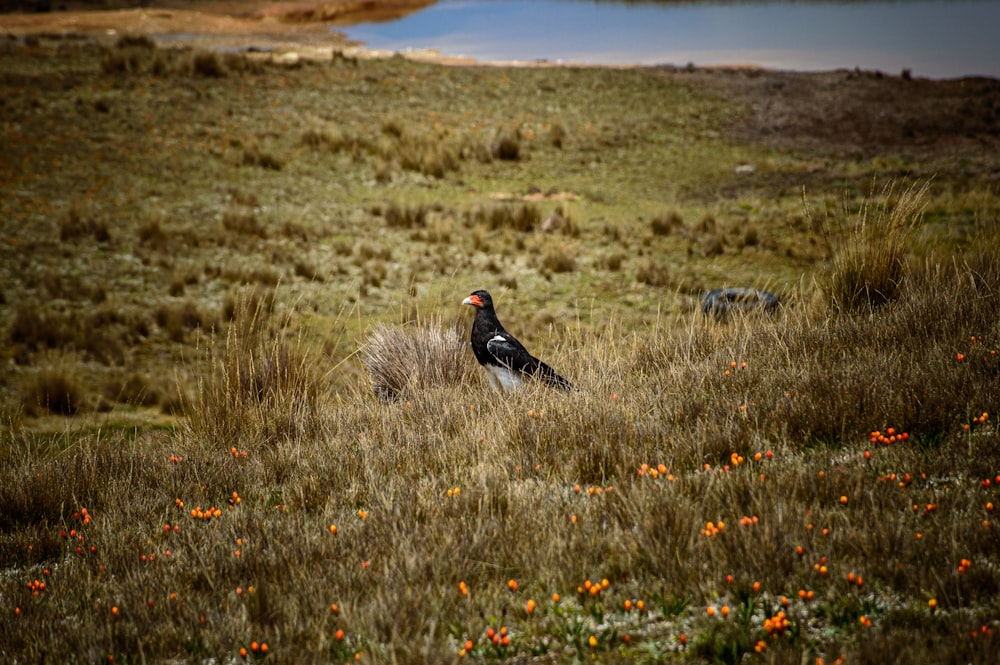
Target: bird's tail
x=551 y=378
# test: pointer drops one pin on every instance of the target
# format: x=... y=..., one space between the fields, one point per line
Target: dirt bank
x=301 y=26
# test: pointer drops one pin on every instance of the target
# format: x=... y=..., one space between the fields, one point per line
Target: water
x=932 y=38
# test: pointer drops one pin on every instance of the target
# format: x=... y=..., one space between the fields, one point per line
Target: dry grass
x=257 y=404
x=263 y=387
x=761 y=428
x=405 y=361
x=869 y=269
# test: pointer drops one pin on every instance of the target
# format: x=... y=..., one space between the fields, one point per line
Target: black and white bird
x=506 y=361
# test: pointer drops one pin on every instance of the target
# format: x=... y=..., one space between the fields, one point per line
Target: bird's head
x=479 y=299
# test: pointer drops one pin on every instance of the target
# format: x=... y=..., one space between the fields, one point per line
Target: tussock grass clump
x=559 y=260
x=557 y=135
x=432 y=156
x=506 y=146
x=244 y=222
x=208 y=64
x=308 y=270
x=334 y=139
x=152 y=234
x=101 y=335
x=524 y=217
x=177 y=318
x=406 y=217
x=136 y=388
x=263 y=385
x=256 y=156
x=664 y=225
x=653 y=272
x=869 y=269
x=35 y=329
x=76 y=224
x=402 y=360
x=55 y=388
x=134 y=54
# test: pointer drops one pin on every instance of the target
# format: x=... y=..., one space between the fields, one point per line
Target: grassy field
x=202 y=255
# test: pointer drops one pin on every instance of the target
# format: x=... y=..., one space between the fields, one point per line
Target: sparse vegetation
x=190 y=477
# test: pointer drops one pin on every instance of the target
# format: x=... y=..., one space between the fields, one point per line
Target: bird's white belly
x=504 y=378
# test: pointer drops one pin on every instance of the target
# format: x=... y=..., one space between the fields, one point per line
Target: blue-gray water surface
x=932 y=38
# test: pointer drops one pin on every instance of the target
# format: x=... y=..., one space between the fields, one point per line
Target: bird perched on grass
x=506 y=361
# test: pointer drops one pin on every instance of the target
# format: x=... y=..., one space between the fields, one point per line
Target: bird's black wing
x=509 y=352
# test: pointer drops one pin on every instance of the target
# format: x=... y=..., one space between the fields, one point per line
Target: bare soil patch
x=863 y=113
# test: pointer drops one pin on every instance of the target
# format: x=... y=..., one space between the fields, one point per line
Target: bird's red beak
x=473 y=300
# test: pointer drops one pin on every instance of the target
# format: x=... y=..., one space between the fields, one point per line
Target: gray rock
x=720 y=302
